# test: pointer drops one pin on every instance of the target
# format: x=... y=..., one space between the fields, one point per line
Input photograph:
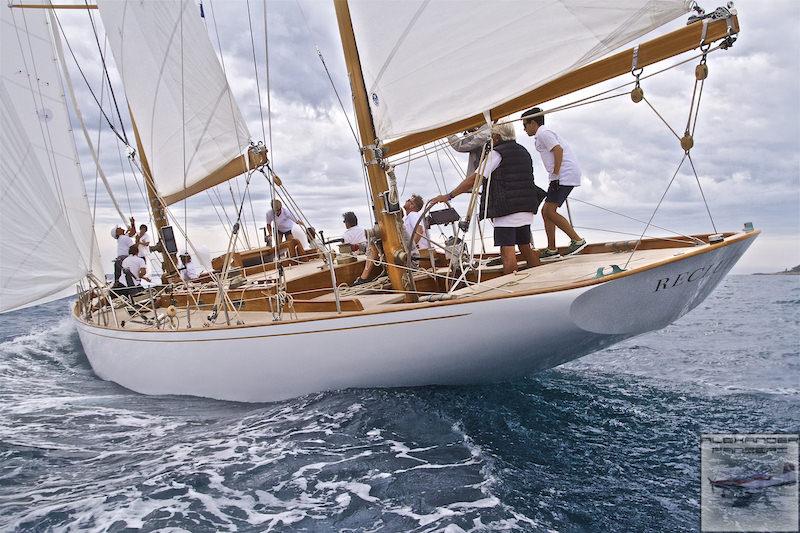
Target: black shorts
x=512 y=236
x=557 y=193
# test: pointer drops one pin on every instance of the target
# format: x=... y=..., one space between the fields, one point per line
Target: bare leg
x=549 y=226
x=564 y=225
x=372 y=255
x=530 y=255
x=509 y=255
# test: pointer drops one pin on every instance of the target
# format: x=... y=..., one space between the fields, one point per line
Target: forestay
x=427 y=64
x=46 y=235
x=177 y=91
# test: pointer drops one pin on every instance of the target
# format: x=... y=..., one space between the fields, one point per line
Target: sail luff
x=158 y=212
x=661 y=48
x=79 y=115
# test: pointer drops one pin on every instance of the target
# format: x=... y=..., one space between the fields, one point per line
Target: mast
x=389 y=218
x=168 y=261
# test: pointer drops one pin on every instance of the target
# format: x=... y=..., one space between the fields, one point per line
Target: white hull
x=457 y=342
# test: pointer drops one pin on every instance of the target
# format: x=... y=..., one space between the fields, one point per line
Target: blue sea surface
x=607 y=443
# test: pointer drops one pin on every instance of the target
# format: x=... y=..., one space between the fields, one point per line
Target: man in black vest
x=508 y=196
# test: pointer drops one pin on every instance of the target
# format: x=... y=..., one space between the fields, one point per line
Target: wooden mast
x=390 y=223
x=663 y=47
x=168 y=260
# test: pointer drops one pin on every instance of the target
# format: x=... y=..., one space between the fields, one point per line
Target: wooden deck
x=310 y=286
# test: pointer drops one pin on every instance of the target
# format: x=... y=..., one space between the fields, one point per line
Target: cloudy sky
x=747 y=142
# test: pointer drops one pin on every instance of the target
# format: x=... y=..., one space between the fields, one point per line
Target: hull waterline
x=458 y=342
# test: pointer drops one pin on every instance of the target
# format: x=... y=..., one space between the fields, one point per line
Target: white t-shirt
x=355 y=235
x=144 y=244
x=285 y=220
x=514 y=220
x=570 y=171
x=190 y=271
x=132 y=263
x=409 y=222
x=124 y=244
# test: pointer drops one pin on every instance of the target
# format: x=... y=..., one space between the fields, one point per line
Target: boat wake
x=113 y=459
x=566 y=449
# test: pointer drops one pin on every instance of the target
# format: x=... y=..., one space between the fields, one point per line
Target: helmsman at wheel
x=509 y=196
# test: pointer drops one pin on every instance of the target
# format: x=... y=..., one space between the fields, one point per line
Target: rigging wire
x=88 y=85
x=647 y=226
x=350 y=125
x=105 y=71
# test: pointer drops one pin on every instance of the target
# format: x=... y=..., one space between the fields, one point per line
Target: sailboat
x=266 y=327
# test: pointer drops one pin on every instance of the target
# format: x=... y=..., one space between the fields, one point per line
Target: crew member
x=509 y=196
x=564 y=174
x=413 y=209
x=124 y=238
x=284 y=220
x=356 y=237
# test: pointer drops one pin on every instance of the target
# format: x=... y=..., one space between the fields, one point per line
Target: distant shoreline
x=788 y=272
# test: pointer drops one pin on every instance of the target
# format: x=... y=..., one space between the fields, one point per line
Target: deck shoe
x=549 y=255
x=575 y=247
x=359 y=281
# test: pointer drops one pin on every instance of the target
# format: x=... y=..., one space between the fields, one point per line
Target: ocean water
x=607 y=443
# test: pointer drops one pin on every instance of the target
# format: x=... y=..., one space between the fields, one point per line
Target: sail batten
x=441 y=62
x=189 y=124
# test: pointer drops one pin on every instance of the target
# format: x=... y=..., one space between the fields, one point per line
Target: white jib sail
x=177 y=91
x=430 y=63
x=46 y=234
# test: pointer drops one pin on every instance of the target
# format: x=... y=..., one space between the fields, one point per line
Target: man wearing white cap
x=124 y=240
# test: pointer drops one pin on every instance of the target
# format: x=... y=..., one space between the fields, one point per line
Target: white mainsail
x=188 y=121
x=47 y=241
x=439 y=62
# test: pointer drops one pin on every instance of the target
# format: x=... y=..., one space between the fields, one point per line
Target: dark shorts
x=512 y=236
x=557 y=194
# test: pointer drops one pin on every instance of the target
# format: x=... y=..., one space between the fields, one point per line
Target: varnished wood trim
x=330 y=330
x=658 y=49
x=235 y=167
x=465 y=301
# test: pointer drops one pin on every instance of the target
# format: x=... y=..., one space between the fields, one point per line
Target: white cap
x=114 y=232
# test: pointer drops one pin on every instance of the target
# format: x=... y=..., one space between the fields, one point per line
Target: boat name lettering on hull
x=689 y=276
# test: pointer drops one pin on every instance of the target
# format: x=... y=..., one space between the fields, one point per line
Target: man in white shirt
x=356 y=237
x=134 y=269
x=124 y=240
x=284 y=220
x=143 y=241
x=413 y=208
x=509 y=196
x=354 y=234
x=189 y=271
x=565 y=175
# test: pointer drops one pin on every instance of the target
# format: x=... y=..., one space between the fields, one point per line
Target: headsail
x=46 y=234
x=439 y=62
x=177 y=91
